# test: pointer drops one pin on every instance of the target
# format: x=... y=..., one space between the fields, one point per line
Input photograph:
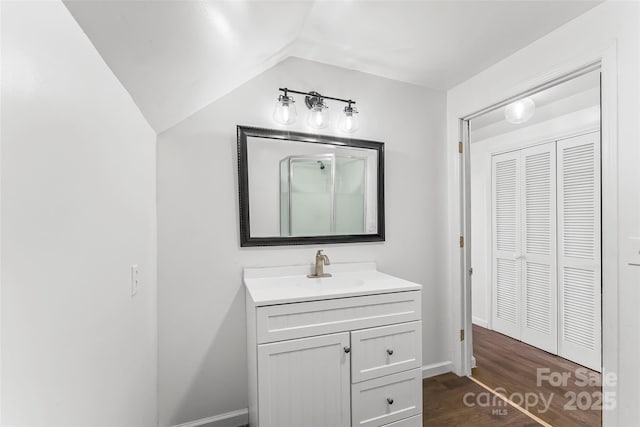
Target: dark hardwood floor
x=503 y=362
x=510 y=367
x=445 y=404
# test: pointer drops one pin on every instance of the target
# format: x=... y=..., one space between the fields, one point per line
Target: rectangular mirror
x=298 y=188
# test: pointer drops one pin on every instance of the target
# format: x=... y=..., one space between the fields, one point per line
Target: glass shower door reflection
x=307 y=196
x=350 y=195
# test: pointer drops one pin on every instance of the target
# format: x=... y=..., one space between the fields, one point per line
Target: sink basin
x=332 y=282
x=283 y=285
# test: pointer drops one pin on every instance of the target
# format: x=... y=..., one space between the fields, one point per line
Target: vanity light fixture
x=349 y=120
x=285 y=110
x=318 y=115
x=520 y=111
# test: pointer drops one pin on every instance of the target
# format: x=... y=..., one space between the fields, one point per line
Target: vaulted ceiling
x=175 y=57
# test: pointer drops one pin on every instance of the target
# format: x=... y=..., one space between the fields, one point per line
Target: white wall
x=78 y=209
x=202 y=358
x=610 y=25
x=481 y=153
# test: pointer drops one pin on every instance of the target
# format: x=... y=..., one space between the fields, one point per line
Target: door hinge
x=461 y=334
x=462 y=241
x=460 y=147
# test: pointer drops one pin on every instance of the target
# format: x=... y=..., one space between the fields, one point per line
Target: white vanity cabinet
x=333 y=352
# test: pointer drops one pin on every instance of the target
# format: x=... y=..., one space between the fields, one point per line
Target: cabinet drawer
x=385 y=350
x=289 y=321
x=388 y=399
x=407 y=422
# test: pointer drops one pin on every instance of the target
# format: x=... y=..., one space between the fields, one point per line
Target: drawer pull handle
x=347 y=349
x=389 y=351
x=389 y=401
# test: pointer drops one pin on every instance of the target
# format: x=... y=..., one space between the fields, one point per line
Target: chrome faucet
x=321 y=261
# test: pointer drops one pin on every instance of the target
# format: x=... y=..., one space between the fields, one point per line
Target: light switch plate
x=631 y=251
x=135 y=279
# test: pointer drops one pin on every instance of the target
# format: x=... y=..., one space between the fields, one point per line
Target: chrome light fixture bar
x=318 y=116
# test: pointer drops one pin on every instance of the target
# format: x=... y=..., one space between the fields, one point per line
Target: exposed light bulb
x=348 y=123
x=318 y=117
x=520 y=111
x=285 y=110
x=349 y=120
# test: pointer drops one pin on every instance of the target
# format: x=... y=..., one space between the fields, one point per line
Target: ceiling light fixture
x=318 y=116
x=520 y=111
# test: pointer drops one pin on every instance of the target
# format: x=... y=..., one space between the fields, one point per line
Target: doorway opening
x=532 y=186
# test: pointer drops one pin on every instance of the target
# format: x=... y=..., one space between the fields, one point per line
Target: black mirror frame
x=246 y=240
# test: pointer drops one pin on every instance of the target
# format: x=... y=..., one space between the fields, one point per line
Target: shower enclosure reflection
x=299 y=188
x=322 y=194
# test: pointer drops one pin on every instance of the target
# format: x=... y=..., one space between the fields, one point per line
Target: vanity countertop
x=282 y=285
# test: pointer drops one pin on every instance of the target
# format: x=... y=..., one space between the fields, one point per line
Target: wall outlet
x=135 y=279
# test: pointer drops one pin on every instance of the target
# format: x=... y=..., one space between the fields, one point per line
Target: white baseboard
x=437 y=369
x=229 y=419
x=480 y=322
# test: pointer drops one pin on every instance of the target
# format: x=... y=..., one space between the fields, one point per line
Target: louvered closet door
x=579 y=251
x=507 y=277
x=539 y=284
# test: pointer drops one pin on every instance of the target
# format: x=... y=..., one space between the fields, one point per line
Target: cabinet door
x=579 y=253
x=305 y=382
x=539 y=278
x=507 y=277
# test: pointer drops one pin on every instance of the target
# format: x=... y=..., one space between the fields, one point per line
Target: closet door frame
x=606 y=59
